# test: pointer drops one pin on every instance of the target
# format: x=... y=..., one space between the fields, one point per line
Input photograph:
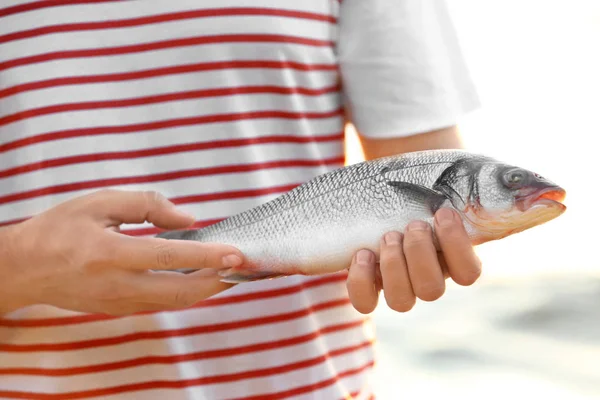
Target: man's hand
x=410 y=267
x=73 y=257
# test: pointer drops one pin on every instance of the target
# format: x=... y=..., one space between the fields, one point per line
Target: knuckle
x=166 y=256
x=96 y=256
x=153 y=199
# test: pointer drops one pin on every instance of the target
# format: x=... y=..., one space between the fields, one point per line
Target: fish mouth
x=549 y=197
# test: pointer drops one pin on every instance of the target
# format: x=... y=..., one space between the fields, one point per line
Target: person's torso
x=220 y=106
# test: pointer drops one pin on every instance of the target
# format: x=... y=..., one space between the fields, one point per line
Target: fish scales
x=331 y=215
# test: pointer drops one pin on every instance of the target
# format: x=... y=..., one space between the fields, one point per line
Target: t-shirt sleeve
x=401 y=66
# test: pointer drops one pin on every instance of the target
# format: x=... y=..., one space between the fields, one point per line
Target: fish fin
x=241 y=275
x=192 y=234
x=432 y=199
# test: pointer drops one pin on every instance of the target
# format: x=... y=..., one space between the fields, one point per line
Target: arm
x=444 y=138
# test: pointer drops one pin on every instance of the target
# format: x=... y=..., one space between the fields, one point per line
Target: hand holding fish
x=73 y=257
x=411 y=267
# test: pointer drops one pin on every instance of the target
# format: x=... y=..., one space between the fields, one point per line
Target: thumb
x=135 y=207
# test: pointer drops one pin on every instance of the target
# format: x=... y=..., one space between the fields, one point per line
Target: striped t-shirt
x=220 y=105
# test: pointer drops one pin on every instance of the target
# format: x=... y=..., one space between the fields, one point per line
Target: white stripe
x=170 y=110
x=217 y=79
x=189 y=160
x=168 y=137
x=180 y=187
x=167 y=57
x=80 y=13
x=246 y=25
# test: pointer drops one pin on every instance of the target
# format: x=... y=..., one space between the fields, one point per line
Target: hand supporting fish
x=318 y=226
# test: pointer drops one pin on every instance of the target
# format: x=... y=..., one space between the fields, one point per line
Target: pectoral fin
x=420 y=196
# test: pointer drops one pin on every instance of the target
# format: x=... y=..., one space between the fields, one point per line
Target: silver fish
x=318 y=226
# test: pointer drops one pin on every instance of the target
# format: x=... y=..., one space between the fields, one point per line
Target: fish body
x=318 y=226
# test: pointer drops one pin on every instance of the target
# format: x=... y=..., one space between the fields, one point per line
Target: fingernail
x=232 y=261
x=364 y=257
x=418 y=226
x=444 y=217
x=392 y=238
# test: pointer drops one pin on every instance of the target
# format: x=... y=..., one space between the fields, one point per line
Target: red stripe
x=159 y=151
x=310 y=388
x=161 y=45
x=172 y=123
x=172 y=333
x=164 y=98
x=37 y=5
x=181 y=358
x=164 y=71
x=218 y=379
x=211 y=302
x=182 y=174
x=161 y=18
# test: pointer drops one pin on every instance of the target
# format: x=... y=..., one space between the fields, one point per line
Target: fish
x=317 y=227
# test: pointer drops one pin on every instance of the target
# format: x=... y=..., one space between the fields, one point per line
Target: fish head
x=496 y=200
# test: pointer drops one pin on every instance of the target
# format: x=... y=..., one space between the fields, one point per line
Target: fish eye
x=515 y=178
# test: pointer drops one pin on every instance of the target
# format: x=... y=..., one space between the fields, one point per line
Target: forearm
x=8 y=297
x=445 y=138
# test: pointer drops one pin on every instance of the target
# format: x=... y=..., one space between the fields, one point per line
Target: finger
x=361 y=283
x=160 y=289
x=162 y=254
x=463 y=264
x=117 y=207
x=423 y=267
x=397 y=287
